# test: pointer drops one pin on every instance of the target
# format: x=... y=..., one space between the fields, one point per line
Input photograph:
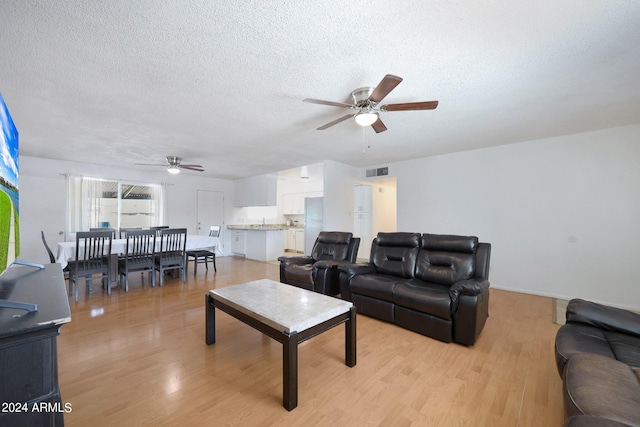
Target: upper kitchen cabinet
x=293 y=203
x=258 y=190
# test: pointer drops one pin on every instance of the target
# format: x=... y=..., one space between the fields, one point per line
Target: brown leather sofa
x=318 y=272
x=436 y=285
x=597 y=355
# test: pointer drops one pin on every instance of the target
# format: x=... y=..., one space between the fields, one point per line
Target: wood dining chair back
x=139 y=256
x=157 y=229
x=172 y=255
x=93 y=257
x=214 y=231
x=112 y=230
x=204 y=256
x=52 y=257
x=124 y=230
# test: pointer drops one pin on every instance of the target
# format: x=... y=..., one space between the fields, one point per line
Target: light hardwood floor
x=139 y=358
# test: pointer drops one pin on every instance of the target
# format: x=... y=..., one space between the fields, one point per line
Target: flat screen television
x=9 y=201
x=9 y=194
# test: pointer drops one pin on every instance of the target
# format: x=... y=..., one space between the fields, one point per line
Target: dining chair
x=199 y=256
x=93 y=256
x=124 y=230
x=158 y=228
x=112 y=230
x=52 y=257
x=139 y=256
x=172 y=254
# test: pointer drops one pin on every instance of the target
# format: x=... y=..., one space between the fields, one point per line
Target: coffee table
x=289 y=315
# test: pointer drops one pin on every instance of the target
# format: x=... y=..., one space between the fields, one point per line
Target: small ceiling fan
x=174 y=164
x=365 y=104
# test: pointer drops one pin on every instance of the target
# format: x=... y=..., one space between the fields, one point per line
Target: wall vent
x=377 y=172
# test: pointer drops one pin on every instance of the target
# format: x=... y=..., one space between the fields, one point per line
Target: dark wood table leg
x=290 y=371
x=210 y=320
x=350 y=338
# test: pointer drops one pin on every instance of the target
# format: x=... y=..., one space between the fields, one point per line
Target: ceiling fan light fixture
x=366 y=118
x=174 y=170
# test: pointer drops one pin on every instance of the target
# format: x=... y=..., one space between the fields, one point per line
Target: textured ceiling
x=221 y=82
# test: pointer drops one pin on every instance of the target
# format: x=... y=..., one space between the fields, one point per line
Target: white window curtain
x=88 y=207
x=84 y=203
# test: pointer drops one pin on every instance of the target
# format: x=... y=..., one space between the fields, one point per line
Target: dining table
x=66 y=251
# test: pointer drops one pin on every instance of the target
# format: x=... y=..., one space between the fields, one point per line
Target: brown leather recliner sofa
x=436 y=285
x=597 y=355
x=318 y=272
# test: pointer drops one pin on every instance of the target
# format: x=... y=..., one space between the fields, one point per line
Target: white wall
x=43 y=198
x=338 y=195
x=562 y=214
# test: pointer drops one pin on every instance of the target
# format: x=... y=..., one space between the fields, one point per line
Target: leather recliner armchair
x=318 y=272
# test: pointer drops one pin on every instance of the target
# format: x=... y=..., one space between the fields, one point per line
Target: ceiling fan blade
x=192 y=167
x=386 y=85
x=408 y=106
x=378 y=126
x=331 y=103
x=150 y=164
x=335 y=122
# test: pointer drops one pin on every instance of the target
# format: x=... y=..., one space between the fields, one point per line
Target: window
x=101 y=203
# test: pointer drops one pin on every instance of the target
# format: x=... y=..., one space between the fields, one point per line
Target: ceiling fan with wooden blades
x=174 y=165
x=366 y=106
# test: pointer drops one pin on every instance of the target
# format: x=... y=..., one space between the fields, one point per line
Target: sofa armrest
x=603 y=317
x=325 y=264
x=354 y=269
x=466 y=287
x=295 y=260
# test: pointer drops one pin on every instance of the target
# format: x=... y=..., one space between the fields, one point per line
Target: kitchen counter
x=264 y=227
x=259 y=242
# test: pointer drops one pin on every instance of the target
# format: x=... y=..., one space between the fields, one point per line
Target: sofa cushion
x=575 y=338
x=602 y=387
x=446 y=259
x=603 y=317
x=444 y=268
x=395 y=253
x=430 y=298
x=450 y=243
x=374 y=285
x=331 y=245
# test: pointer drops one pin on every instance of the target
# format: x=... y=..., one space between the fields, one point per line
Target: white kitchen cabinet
x=300 y=241
x=293 y=203
x=362 y=198
x=264 y=245
x=238 y=242
x=291 y=239
x=258 y=190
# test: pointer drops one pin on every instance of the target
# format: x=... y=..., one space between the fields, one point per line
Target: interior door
x=210 y=211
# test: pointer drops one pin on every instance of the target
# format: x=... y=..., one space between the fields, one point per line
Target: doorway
x=210 y=211
x=375 y=210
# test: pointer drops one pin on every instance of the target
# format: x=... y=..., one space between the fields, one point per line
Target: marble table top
x=283 y=307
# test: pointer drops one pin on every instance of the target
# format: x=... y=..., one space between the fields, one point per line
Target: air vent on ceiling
x=377 y=172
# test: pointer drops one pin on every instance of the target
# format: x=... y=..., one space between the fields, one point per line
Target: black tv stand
x=27 y=306
x=28 y=346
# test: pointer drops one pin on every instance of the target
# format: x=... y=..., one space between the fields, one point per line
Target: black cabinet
x=29 y=391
